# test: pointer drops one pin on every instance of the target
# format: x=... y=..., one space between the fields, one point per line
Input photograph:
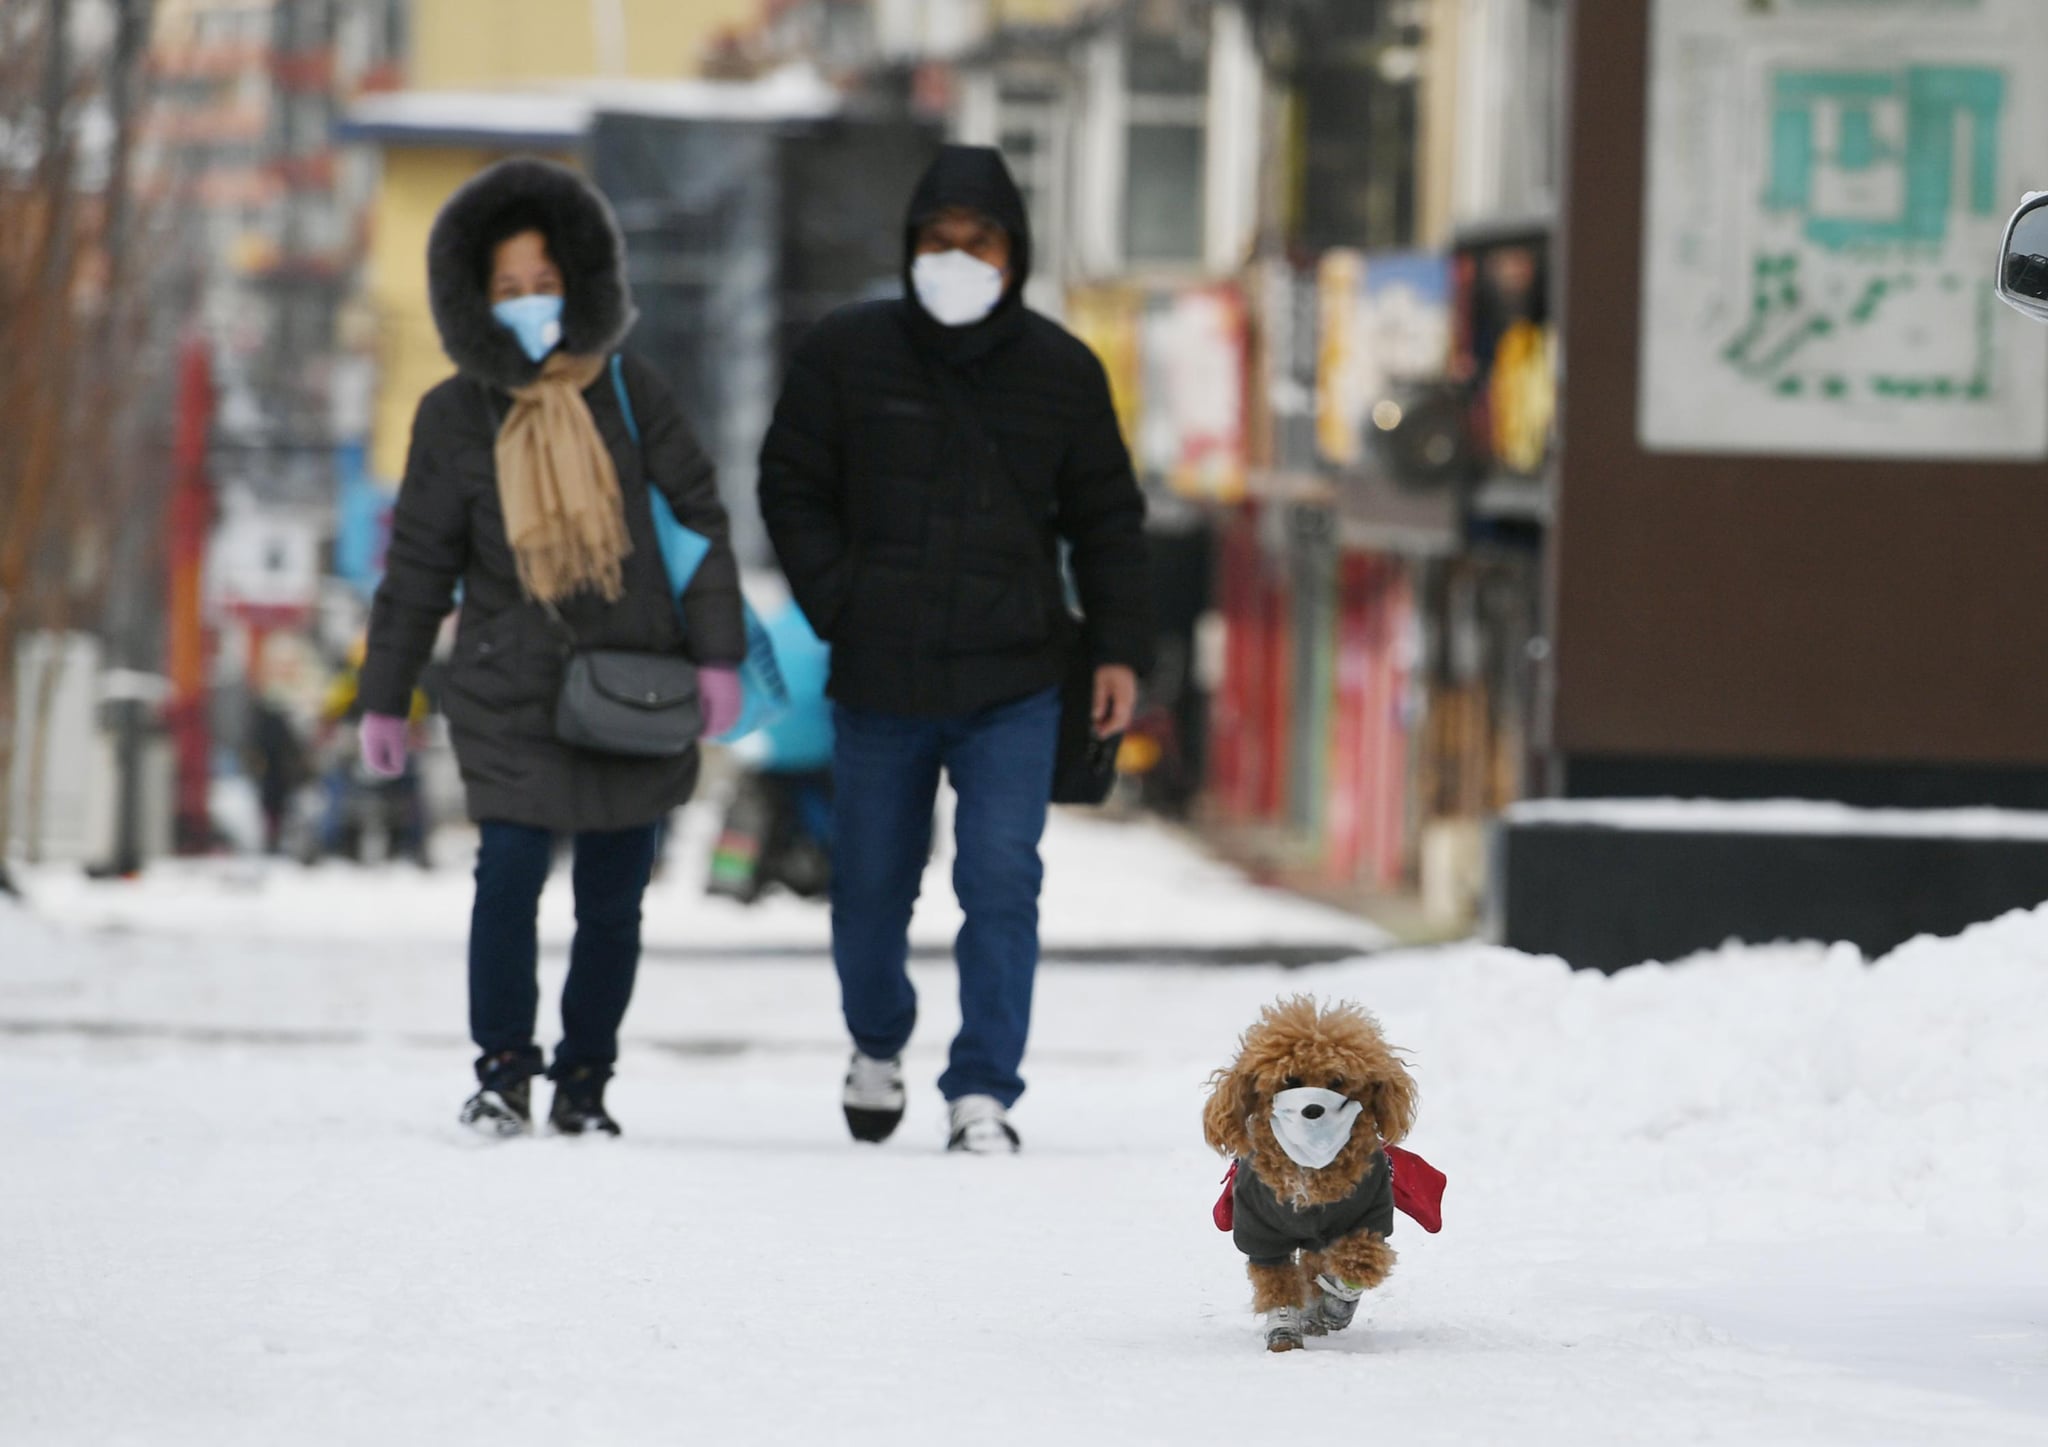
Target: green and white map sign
x=1828 y=187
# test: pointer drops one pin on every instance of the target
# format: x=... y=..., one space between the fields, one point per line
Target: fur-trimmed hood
x=584 y=239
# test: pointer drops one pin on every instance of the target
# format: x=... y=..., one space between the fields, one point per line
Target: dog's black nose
x=1311 y=1112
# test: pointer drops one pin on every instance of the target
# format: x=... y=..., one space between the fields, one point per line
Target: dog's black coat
x=1270 y=1231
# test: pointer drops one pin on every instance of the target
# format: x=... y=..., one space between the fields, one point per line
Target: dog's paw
x=1285 y=1328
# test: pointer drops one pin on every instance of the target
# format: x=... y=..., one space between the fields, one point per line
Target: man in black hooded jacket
x=928 y=458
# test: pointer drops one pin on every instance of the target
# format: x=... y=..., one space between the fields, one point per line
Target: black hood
x=583 y=238
x=973 y=176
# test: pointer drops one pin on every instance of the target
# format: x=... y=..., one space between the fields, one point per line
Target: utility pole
x=191 y=518
x=53 y=178
x=131 y=711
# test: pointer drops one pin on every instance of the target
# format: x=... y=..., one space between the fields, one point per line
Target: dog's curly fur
x=1340 y=1047
x=583 y=239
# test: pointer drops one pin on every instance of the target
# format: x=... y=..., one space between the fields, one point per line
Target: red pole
x=191 y=518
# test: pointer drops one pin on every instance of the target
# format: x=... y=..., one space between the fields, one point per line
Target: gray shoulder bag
x=645 y=705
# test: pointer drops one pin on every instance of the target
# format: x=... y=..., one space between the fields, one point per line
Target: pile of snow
x=1771 y=1195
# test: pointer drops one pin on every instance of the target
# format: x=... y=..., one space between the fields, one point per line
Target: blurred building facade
x=1314 y=244
x=494 y=44
x=277 y=220
x=311 y=337
x=727 y=176
x=1311 y=240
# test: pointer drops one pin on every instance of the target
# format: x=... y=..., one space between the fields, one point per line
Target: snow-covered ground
x=1767 y=1196
x=1114 y=886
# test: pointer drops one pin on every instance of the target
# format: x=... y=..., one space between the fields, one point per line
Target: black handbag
x=1084 y=773
x=640 y=704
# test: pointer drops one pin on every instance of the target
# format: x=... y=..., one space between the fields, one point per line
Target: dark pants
x=885 y=774
x=504 y=952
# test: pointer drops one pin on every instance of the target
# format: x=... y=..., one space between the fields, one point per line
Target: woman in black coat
x=525 y=487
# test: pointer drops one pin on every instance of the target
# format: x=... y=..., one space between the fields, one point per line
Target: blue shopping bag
x=764 y=696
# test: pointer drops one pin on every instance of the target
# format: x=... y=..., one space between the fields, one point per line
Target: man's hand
x=1116 y=700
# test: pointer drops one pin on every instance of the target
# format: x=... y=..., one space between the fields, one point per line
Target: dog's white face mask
x=1313 y=1125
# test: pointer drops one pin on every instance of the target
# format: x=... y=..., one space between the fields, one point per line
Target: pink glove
x=718 y=688
x=383 y=741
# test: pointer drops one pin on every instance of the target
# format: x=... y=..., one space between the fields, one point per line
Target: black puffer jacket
x=932 y=566
x=449 y=528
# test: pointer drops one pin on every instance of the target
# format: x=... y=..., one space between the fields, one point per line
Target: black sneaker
x=579 y=1101
x=503 y=1103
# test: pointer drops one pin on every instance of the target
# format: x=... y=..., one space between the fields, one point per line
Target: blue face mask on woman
x=535 y=320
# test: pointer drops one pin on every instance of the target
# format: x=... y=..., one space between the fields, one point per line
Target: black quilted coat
x=931 y=565
x=448 y=528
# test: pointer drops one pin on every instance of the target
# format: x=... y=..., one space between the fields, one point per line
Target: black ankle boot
x=503 y=1103
x=579 y=1100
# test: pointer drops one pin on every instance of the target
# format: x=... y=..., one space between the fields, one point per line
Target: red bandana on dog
x=1418 y=1191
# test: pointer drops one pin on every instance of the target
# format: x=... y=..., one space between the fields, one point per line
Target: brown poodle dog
x=1316 y=1237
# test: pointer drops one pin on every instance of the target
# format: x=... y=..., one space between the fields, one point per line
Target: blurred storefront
x=1309 y=240
x=1311 y=244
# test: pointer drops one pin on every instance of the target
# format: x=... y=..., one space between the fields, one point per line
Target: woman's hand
x=719 y=689
x=384 y=745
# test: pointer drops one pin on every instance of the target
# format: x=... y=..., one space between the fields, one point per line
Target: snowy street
x=1769 y=1196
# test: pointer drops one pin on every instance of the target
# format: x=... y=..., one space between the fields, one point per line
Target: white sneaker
x=873 y=1097
x=981 y=1126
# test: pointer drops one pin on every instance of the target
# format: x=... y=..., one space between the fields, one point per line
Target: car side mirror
x=2023 y=265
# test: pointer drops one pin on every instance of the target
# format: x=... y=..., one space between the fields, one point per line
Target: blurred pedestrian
x=357 y=804
x=524 y=484
x=928 y=457
x=275 y=758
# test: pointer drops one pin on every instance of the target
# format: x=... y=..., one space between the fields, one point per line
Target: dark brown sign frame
x=1759 y=609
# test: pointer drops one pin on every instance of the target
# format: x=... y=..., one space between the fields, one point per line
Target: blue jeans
x=885 y=776
x=610 y=876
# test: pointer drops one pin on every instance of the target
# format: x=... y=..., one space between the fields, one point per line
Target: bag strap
x=625 y=402
x=669 y=532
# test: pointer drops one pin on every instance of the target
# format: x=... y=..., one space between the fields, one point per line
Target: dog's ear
x=1223 y=1119
x=1392 y=1103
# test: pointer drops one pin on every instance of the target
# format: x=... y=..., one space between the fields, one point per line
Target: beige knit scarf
x=559 y=491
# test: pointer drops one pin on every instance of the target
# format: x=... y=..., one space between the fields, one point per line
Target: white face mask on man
x=957 y=289
x=1313 y=1125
